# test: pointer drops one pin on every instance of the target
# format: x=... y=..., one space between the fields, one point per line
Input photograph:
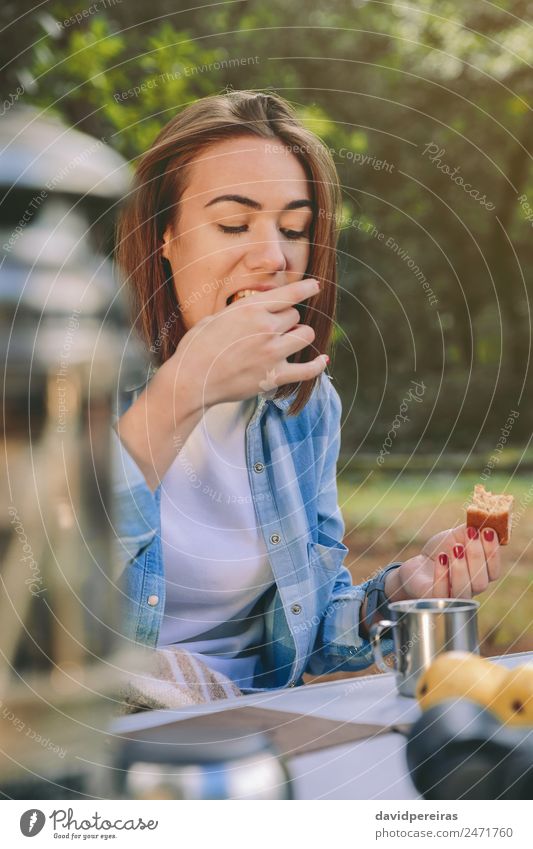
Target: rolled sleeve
x=135 y=509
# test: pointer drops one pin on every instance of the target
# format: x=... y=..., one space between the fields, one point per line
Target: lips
x=242 y=293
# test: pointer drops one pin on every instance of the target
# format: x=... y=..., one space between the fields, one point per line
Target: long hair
x=160 y=180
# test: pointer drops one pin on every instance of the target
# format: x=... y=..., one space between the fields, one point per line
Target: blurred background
x=426 y=108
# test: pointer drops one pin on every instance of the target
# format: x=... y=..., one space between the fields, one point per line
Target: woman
x=230 y=531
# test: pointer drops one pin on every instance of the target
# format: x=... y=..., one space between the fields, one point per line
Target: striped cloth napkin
x=173 y=679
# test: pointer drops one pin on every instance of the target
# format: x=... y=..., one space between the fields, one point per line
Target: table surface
x=369 y=769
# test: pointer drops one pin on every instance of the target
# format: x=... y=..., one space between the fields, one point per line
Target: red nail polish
x=327 y=360
x=472 y=533
x=458 y=552
x=488 y=534
x=443 y=559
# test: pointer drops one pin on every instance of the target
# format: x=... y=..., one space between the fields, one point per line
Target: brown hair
x=159 y=183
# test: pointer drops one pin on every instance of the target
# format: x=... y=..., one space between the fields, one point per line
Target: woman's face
x=244 y=223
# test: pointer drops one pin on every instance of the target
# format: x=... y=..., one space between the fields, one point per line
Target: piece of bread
x=490 y=511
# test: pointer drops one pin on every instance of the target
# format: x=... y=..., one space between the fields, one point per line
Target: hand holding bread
x=459 y=562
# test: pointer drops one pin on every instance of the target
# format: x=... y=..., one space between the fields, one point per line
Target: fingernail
x=472 y=533
x=327 y=359
x=458 y=552
x=488 y=534
x=443 y=559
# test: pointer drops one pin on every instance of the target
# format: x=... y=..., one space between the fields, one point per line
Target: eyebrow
x=254 y=204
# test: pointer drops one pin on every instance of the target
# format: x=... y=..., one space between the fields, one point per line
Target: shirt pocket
x=327 y=558
x=324 y=565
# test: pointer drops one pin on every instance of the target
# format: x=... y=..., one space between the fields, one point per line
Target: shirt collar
x=283 y=403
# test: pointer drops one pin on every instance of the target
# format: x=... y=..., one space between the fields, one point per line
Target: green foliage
x=128 y=87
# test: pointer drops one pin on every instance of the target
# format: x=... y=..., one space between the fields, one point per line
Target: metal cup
x=422 y=629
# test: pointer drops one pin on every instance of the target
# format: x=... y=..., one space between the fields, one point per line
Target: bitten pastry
x=493 y=511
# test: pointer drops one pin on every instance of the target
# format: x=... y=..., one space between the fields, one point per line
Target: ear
x=166 y=239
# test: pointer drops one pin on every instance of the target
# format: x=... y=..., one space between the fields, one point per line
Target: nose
x=266 y=255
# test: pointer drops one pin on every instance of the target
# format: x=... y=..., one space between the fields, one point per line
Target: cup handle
x=375 y=640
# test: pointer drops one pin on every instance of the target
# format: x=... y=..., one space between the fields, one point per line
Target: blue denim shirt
x=311 y=615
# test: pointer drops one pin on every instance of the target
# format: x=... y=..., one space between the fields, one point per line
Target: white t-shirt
x=214 y=554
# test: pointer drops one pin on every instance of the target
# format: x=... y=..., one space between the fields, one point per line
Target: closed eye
x=242 y=228
x=226 y=229
x=295 y=234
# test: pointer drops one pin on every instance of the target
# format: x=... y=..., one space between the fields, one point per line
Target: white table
x=369 y=769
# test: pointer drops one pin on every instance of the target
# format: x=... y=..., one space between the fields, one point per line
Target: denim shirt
x=311 y=614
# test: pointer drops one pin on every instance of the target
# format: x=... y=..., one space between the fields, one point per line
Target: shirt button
x=296 y=608
x=292 y=684
x=258 y=467
x=275 y=538
x=152 y=600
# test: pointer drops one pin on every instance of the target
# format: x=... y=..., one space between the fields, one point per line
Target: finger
x=440 y=542
x=459 y=575
x=441 y=577
x=476 y=562
x=287 y=319
x=295 y=372
x=281 y=297
x=294 y=340
x=491 y=547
